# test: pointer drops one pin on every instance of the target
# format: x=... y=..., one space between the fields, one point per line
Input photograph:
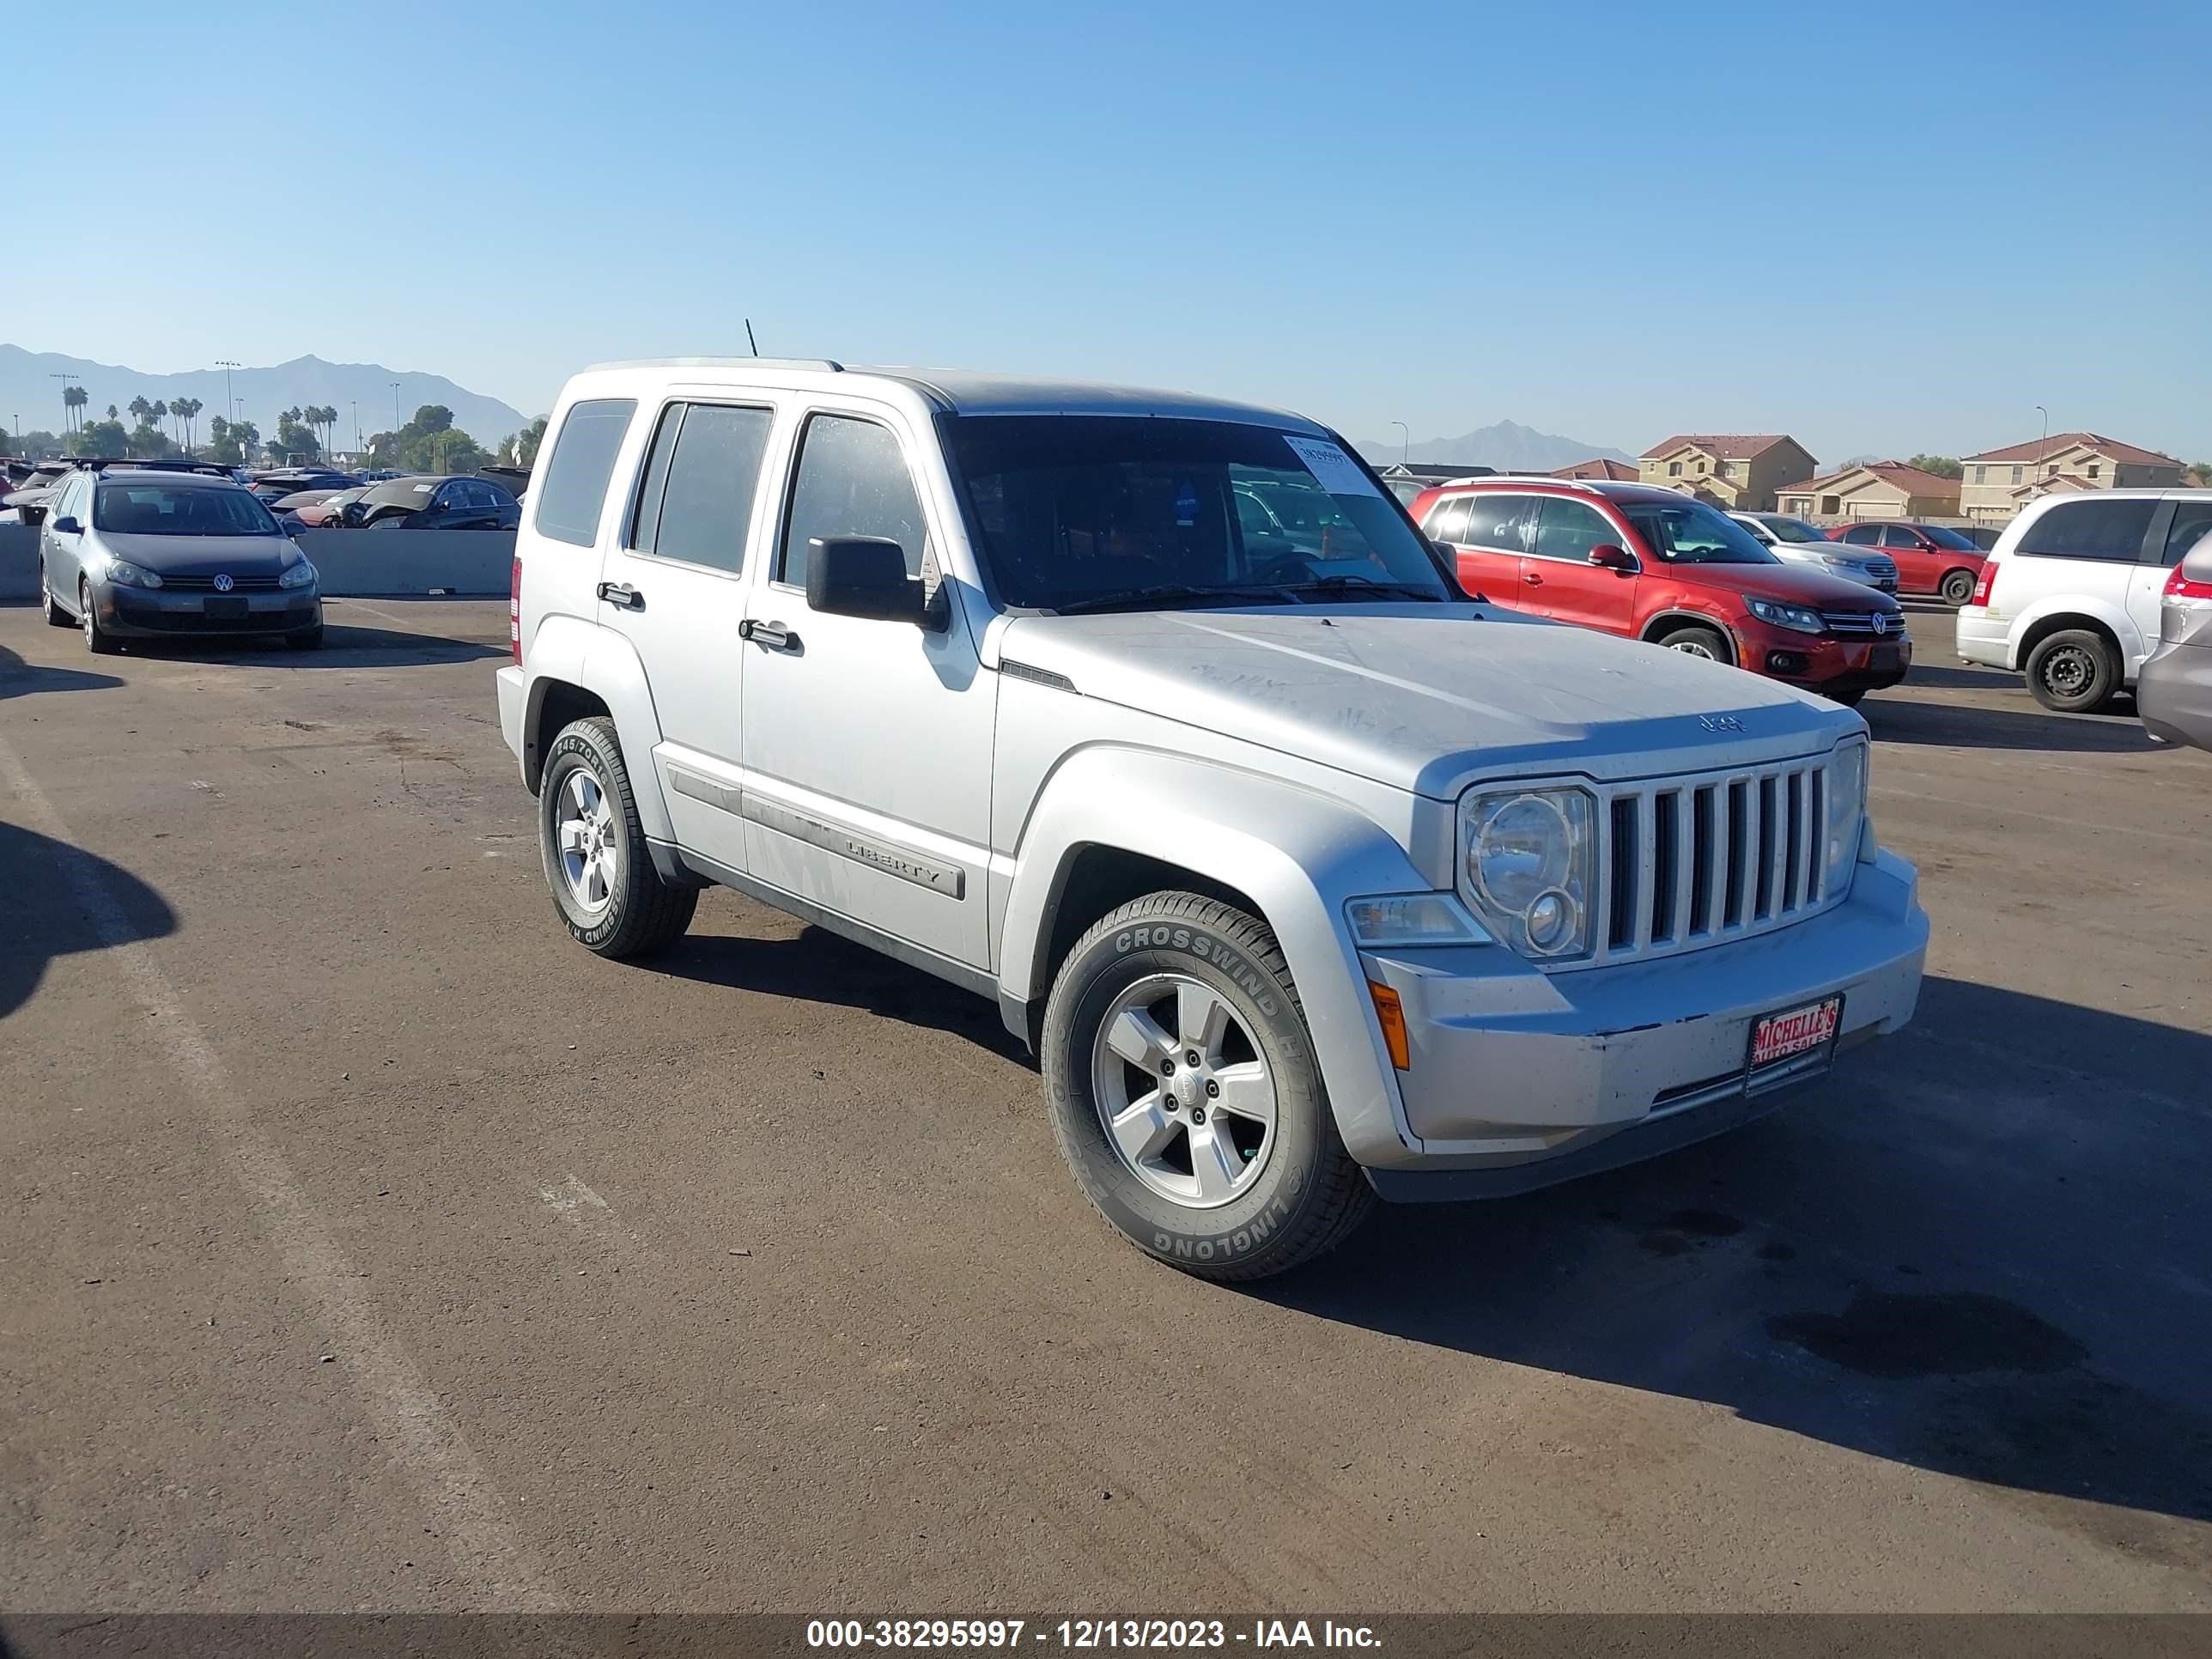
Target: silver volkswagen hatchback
x=149 y=553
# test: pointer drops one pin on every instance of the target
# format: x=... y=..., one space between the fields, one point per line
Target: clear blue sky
x=1881 y=227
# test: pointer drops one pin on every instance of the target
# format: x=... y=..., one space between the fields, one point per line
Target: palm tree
x=158 y=413
x=74 y=398
x=140 y=410
x=187 y=410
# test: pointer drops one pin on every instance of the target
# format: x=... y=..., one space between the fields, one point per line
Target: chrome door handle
x=774 y=635
x=622 y=595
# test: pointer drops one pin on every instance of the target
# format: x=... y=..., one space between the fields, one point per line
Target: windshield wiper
x=1166 y=594
x=1338 y=587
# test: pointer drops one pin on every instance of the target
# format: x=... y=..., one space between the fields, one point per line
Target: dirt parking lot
x=367 y=1244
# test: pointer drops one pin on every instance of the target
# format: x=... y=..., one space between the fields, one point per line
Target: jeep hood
x=1428 y=697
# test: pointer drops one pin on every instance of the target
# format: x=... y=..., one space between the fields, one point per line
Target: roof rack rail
x=828 y=364
x=1583 y=485
x=102 y=463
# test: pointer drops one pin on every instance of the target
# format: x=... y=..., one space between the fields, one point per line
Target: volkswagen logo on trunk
x=222 y=586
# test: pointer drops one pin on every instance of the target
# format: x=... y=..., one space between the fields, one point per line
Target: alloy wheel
x=589 y=841
x=1185 y=1094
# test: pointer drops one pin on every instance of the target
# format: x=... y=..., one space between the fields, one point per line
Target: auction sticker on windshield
x=1796 y=1031
x=1333 y=470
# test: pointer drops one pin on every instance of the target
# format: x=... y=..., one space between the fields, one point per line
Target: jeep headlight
x=1847 y=798
x=124 y=573
x=1530 y=860
x=1795 y=617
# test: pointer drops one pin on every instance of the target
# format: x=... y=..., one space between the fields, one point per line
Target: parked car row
x=1650 y=563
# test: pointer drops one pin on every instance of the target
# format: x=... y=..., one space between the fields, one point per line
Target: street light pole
x=395 y=408
x=1405 y=441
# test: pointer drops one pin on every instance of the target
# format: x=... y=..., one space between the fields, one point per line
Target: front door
x=1918 y=566
x=674 y=586
x=1570 y=588
x=868 y=743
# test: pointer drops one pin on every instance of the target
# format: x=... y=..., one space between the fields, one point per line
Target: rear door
x=1566 y=584
x=1490 y=545
x=674 y=585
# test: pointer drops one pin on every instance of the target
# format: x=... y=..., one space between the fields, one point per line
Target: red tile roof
x=1727 y=446
x=2037 y=448
x=2067 y=481
x=1909 y=479
x=1614 y=472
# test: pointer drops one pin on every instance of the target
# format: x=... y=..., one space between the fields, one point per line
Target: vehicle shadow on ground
x=1973 y=1251
x=1962 y=680
x=41 y=917
x=819 y=966
x=18 y=678
x=343 y=647
x=1895 y=717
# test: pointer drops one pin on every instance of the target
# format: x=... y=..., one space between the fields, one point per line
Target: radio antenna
x=749 y=336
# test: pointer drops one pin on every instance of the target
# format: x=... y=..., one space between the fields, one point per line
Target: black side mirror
x=863 y=576
x=68 y=526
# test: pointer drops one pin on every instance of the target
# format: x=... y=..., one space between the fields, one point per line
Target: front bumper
x=1520 y=1079
x=157 y=613
x=2174 y=694
x=1819 y=663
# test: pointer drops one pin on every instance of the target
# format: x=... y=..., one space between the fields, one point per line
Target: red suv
x=1652 y=564
x=1931 y=558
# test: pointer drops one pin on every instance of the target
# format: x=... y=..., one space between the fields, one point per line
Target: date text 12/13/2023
x=1082 y=1634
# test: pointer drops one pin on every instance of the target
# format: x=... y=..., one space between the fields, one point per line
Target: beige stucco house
x=2000 y=481
x=1877 y=489
x=1736 y=469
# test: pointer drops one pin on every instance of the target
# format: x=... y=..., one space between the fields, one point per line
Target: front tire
x=1958 y=587
x=1694 y=640
x=97 y=639
x=1183 y=1090
x=1849 y=699
x=2073 y=672
x=605 y=890
x=307 y=638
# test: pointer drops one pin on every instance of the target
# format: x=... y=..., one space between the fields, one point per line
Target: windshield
x=1791 y=530
x=1689 y=533
x=1076 y=508
x=1950 y=538
x=157 y=509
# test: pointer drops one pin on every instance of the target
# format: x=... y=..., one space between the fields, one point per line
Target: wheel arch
x=2034 y=631
x=578 y=668
x=1661 y=621
x=1110 y=819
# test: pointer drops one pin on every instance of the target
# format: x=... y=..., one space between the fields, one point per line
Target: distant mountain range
x=1507 y=446
x=30 y=395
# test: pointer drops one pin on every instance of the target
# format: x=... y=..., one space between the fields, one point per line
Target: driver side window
x=851 y=480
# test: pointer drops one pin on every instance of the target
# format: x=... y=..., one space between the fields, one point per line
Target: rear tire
x=605 y=890
x=56 y=616
x=1957 y=586
x=2076 y=670
x=1230 y=1168
x=1695 y=640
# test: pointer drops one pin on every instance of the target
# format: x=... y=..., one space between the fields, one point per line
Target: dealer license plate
x=1795 y=1031
x=225 y=610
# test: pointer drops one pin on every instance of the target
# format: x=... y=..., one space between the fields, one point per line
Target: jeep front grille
x=1686 y=862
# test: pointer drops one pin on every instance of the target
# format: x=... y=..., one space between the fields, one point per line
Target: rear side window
x=2109 y=531
x=2191 y=520
x=1448 y=519
x=852 y=480
x=697 y=502
x=575 y=480
x=1863 y=535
